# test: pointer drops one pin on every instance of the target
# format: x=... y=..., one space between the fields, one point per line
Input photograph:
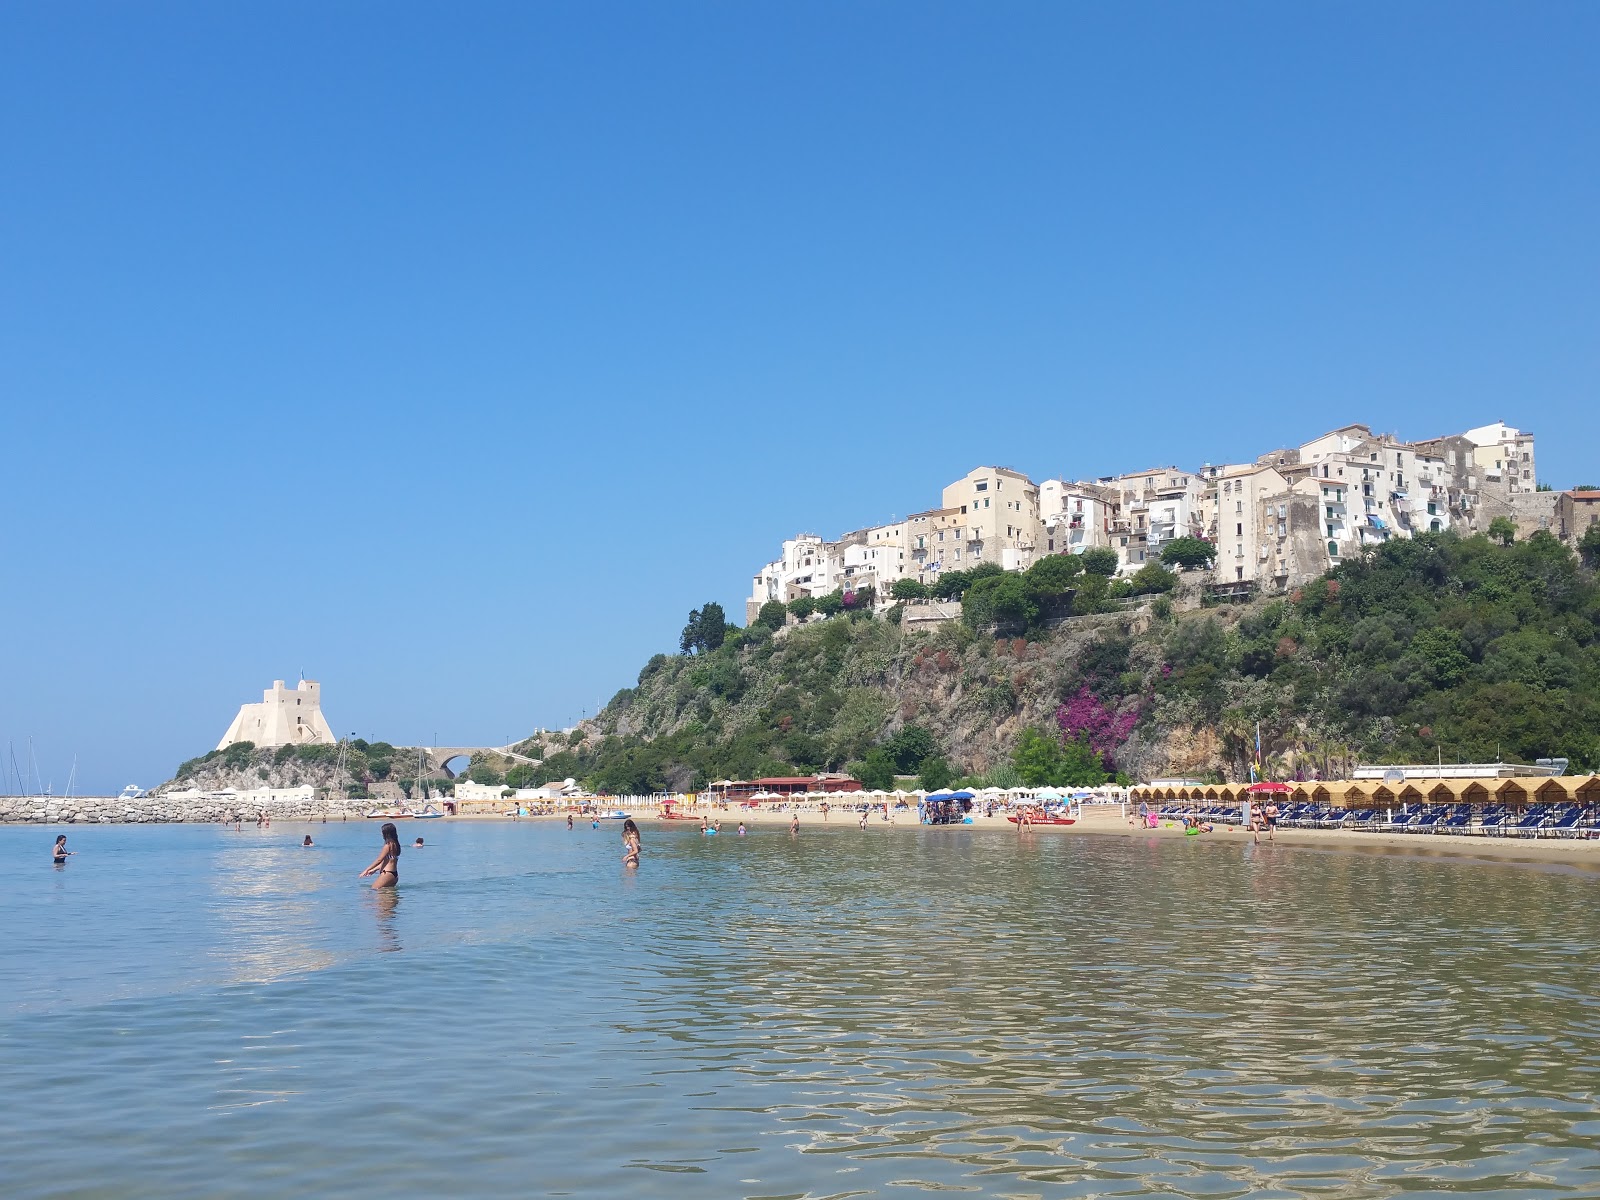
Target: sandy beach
x=1107 y=821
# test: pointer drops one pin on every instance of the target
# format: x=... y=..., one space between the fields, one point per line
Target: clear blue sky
x=451 y=354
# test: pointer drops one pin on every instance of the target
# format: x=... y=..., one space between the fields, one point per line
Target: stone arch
x=463 y=761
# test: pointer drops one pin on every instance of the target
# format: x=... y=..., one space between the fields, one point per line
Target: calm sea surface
x=190 y=1012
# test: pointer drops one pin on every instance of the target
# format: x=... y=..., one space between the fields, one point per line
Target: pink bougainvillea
x=1086 y=715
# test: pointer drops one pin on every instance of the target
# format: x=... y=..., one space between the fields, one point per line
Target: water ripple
x=193 y=1012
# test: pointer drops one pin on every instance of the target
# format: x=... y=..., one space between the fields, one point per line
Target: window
x=986 y=502
x=1333 y=549
x=1238 y=506
x=1238 y=529
x=984 y=486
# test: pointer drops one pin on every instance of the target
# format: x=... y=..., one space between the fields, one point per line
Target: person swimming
x=630 y=843
x=308 y=841
x=387 y=865
x=59 y=854
x=417 y=845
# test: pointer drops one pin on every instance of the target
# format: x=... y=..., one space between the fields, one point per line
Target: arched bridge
x=439 y=757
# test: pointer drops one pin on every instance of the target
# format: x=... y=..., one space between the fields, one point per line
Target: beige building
x=933 y=543
x=1000 y=517
x=1575 y=513
x=284 y=717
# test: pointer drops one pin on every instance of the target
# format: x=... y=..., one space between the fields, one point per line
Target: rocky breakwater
x=293 y=804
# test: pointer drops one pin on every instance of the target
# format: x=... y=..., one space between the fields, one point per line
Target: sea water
x=200 y=1012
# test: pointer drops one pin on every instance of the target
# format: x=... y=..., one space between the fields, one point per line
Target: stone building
x=285 y=717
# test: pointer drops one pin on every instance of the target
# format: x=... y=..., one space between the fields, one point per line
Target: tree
x=908 y=748
x=861 y=599
x=1151 y=579
x=936 y=773
x=483 y=773
x=951 y=584
x=1188 y=553
x=831 y=605
x=909 y=589
x=1054 y=572
x=1002 y=600
x=1037 y=758
x=1589 y=545
x=1100 y=560
x=1503 y=530
x=707 y=629
x=802 y=607
x=877 y=772
x=772 y=614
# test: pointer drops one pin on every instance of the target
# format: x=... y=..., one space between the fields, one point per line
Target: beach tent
x=1512 y=792
x=1442 y=792
x=1555 y=790
x=1586 y=791
x=1470 y=791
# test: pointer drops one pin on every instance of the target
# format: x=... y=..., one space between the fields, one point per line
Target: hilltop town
x=1271 y=524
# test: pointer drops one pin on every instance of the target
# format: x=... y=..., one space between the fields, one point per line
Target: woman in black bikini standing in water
x=387 y=865
x=59 y=854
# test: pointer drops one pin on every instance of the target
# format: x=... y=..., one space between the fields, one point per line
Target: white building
x=283 y=718
x=1076 y=516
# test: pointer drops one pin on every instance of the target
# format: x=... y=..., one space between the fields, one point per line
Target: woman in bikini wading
x=387 y=865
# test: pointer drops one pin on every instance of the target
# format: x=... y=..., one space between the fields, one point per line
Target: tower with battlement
x=285 y=717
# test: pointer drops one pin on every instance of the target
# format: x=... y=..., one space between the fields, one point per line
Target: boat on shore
x=615 y=814
x=389 y=814
x=1042 y=819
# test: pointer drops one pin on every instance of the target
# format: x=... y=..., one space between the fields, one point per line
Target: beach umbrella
x=1271 y=789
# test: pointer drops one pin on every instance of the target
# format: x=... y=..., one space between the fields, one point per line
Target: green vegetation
x=1188 y=553
x=707 y=629
x=1099 y=560
x=1437 y=646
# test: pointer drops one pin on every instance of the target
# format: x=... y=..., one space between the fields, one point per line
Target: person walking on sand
x=630 y=843
x=59 y=854
x=387 y=865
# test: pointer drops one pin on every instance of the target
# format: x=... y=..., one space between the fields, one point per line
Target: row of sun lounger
x=1493 y=820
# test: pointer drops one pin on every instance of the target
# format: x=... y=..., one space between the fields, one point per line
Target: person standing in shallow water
x=630 y=843
x=59 y=854
x=387 y=865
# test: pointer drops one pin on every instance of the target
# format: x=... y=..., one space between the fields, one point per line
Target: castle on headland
x=284 y=717
x=1274 y=523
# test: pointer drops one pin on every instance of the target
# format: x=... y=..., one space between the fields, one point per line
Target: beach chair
x=1460 y=819
x=1335 y=818
x=1536 y=816
x=1427 y=821
x=1491 y=824
x=1400 y=822
x=1564 y=824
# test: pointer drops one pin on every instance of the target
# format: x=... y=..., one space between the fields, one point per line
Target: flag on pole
x=1255 y=767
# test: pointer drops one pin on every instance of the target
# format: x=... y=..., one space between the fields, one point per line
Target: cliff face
x=1436 y=646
